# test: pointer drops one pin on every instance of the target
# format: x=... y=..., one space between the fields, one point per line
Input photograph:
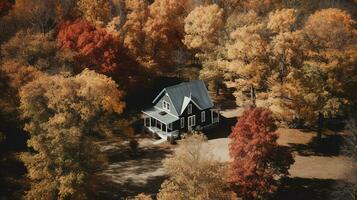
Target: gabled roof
x=195 y=91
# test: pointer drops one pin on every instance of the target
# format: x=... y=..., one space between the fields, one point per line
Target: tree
x=330 y=28
x=202 y=35
x=132 y=31
x=13 y=76
x=39 y=15
x=164 y=29
x=201 y=27
x=97 y=11
x=37 y=50
x=193 y=174
x=259 y=55
x=5 y=6
x=97 y=49
x=329 y=64
x=142 y=196
x=257 y=158
x=153 y=33
x=63 y=116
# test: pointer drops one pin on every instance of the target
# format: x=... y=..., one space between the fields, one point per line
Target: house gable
x=160 y=101
x=186 y=102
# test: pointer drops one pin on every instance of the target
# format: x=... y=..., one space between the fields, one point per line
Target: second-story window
x=166 y=105
x=189 y=109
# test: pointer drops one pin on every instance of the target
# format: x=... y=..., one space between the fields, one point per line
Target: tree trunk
x=320 y=126
x=252 y=95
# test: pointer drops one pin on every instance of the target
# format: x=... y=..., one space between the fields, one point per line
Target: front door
x=191 y=121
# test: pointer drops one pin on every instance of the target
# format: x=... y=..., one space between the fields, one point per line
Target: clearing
x=318 y=171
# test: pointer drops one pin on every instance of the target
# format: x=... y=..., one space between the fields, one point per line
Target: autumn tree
x=63 y=116
x=164 y=28
x=5 y=6
x=13 y=76
x=326 y=83
x=132 y=30
x=260 y=56
x=257 y=158
x=95 y=11
x=193 y=174
x=39 y=15
x=96 y=48
x=38 y=50
x=201 y=27
x=202 y=36
x=142 y=196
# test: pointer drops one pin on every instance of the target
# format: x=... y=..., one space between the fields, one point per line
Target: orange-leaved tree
x=257 y=158
x=97 y=49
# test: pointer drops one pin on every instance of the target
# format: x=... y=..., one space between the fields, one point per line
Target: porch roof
x=160 y=115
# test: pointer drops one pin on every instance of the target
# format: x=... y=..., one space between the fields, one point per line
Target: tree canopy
x=193 y=173
x=258 y=161
x=64 y=115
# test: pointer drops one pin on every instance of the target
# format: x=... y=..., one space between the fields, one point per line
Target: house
x=181 y=108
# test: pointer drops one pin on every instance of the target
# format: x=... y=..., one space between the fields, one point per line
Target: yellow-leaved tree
x=194 y=174
x=63 y=117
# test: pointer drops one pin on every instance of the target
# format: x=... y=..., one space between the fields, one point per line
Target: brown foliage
x=257 y=158
x=330 y=28
x=194 y=174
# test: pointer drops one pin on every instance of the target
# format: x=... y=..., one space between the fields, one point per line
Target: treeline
x=66 y=66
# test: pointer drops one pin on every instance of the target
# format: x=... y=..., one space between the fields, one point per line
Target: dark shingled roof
x=195 y=89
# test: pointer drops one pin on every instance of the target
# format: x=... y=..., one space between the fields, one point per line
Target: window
x=170 y=126
x=166 y=105
x=191 y=121
x=189 y=109
x=182 y=122
x=203 y=116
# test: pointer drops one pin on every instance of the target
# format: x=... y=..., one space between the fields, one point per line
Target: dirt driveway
x=129 y=174
x=316 y=173
x=319 y=172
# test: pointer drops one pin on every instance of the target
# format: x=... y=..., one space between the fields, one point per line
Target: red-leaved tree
x=258 y=161
x=96 y=48
x=5 y=6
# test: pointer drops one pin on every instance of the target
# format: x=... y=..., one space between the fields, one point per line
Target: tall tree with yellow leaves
x=95 y=11
x=64 y=158
x=330 y=65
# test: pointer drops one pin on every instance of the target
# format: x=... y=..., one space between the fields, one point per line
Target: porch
x=160 y=122
x=163 y=134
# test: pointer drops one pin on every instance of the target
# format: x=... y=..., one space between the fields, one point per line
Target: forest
x=75 y=74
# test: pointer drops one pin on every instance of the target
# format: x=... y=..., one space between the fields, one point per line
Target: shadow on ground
x=312 y=189
x=329 y=145
x=129 y=174
x=222 y=130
